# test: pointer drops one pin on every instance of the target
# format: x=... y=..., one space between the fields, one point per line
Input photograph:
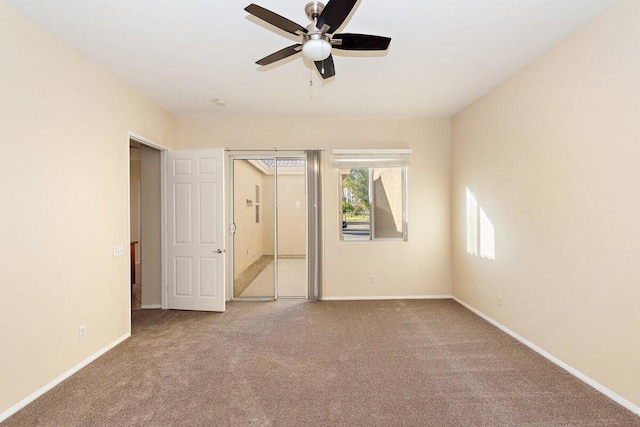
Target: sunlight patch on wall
x=487 y=237
x=480 y=230
x=472 y=224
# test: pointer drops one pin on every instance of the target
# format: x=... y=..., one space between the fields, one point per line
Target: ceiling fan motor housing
x=313 y=9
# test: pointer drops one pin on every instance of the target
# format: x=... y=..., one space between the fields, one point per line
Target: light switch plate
x=118 y=250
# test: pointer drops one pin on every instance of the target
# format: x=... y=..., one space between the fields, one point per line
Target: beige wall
x=553 y=157
x=421 y=266
x=63 y=132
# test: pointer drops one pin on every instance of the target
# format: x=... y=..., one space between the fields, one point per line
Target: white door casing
x=195 y=230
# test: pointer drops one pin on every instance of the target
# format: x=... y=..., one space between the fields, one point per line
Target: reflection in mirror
x=253 y=240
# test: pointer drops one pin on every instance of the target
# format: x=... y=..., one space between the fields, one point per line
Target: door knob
x=220 y=251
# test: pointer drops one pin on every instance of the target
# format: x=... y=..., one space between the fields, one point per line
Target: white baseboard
x=582 y=377
x=382 y=298
x=33 y=396
x=150 y=306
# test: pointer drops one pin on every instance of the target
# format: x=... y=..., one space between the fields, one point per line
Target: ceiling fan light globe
x=316 y=49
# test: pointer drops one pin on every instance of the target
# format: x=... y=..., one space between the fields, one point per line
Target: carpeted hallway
x=296 y=363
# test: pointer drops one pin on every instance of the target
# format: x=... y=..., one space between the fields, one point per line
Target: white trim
x=33 y=396
x=582 y=377
x=163 y=149
x=163 y=231
x=383 y=298
x=276 y=234
x=128 y=280
x=354 y=159
x=150 y=306
x=228 y=200
x=360 y=151
x=146 y=141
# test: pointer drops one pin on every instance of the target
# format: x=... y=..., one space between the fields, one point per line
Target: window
x=373 y=194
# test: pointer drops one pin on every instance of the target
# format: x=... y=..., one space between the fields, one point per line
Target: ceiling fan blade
x=361 y=42
x=326 y=67
x=281 y=54
x=275 y=19
x=334 y=14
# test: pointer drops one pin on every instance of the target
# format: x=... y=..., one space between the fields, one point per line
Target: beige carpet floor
x=298 y=363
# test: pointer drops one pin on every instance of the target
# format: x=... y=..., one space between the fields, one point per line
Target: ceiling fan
x=318 y=38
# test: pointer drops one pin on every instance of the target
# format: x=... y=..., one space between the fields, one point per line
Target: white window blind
x=365 y=158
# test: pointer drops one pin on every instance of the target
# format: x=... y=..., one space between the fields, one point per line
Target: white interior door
x=195 y=230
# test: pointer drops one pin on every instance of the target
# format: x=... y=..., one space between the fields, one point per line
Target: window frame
x=373 y=160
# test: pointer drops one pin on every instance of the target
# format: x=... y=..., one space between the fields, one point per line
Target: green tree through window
x=357 y=182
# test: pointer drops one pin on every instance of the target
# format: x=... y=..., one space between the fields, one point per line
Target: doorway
x=269 y=227
x=145 y=207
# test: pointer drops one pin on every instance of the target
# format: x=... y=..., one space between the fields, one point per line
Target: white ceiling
x=444 y=54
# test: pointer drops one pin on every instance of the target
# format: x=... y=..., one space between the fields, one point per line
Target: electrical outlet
x=82 y=331
x=373 y=278
x=500 y=300
x=118 y=250
x=480 y=291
